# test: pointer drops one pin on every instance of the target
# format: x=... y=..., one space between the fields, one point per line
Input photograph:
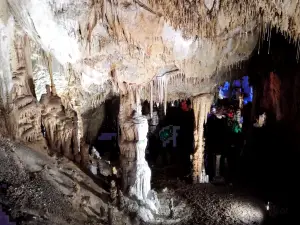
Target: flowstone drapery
x=59 y=124
x=133 y=142
x=26 y=110
x=201 y=106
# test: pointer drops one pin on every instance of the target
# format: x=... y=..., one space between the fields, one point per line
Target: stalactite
x=161 y=87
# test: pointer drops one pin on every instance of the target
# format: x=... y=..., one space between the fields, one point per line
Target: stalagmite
x=133 y=141
x=201 y=106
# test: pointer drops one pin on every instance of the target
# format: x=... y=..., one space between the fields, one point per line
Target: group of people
x=223 y=137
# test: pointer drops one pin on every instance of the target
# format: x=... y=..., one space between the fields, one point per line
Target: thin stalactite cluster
x=196 y=18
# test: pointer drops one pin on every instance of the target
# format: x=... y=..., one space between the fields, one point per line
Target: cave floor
x=48 y=190
x=39 y=189
x=207 y=203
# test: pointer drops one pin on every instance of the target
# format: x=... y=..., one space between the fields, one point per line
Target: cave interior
x=145 y=112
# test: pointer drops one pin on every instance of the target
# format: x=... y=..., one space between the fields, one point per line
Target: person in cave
x=164 y=149
x=186 y=136
x=232 y=152
x=234 y=145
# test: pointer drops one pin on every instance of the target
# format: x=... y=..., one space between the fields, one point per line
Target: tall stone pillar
x=201 y=106
x=136 y=175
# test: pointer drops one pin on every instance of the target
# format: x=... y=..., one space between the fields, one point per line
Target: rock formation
x=160 y=49
x=59 y=125
x=133 y=142
x=201 y=106
x=26 y=111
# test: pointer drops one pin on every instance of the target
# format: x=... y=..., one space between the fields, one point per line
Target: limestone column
x=201 y=106
x=133 y=141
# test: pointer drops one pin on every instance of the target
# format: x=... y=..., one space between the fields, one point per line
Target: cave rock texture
x=133 y=143
x=87 y=51
x=25 y=108
x=201 y=105
x=60 y=127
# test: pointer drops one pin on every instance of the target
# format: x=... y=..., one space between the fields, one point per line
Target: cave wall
x=273 y=151
x=60 y=125
x=26 y=112
x=22 y=115
x=92 y=122
x=279 y=97
x=275 y=75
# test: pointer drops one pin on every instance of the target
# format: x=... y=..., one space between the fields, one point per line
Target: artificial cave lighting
x=143 y=111
x=228 y=90
x=224 y=91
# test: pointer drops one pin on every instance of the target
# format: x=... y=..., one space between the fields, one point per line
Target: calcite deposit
x=87 y=51
x=133 y=142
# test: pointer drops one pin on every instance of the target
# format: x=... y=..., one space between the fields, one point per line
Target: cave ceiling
x=191 y=43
